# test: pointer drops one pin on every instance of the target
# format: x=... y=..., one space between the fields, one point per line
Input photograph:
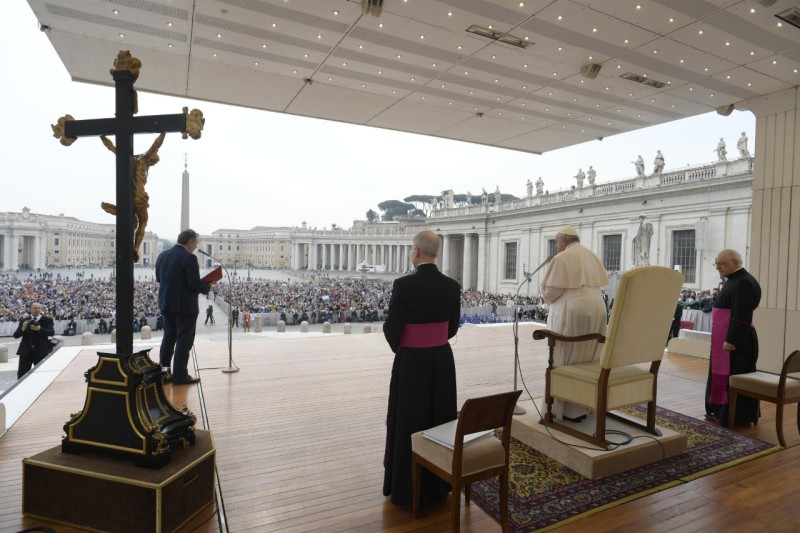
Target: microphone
x=529 y=275
x=209 y=256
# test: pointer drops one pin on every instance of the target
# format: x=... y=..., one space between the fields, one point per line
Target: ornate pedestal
x=102 y=493
x=126 y=412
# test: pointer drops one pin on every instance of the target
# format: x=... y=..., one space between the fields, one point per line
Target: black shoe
x=576 y=420
x=711 y=417
x=188 y=380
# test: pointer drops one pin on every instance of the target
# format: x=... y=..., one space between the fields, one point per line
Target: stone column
x=480 y=283
x=14 y=248
x=324 y=257
x=36 y=257
x=446 y=241
x=773 y=257
x=468 y=282
x=312 y=256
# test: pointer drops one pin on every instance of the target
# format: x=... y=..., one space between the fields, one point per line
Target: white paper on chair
x=445 y=434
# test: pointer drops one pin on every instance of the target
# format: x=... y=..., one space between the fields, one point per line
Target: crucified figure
x=141 y=201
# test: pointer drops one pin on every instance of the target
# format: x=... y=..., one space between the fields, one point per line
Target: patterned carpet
x=544 y=494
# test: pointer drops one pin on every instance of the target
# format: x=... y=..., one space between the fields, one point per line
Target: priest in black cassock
x=424 y=312
x=734 y=343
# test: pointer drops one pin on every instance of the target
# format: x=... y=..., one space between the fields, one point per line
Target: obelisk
x=185 y=195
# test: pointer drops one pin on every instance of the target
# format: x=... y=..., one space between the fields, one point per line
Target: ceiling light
x=638 y=6
x=214 y=54
x=494 y=56
x=560 y=17
x=263 y=45
x=116 y=12
x=449 y=13
x=727 y=43
x=335 y=11
x=219 y=36
x=672 y=19
x=121 y=35
x=319 y=36
x=700 y=32
x=507 y=38
x=170 y=45
x=594 y=30
x=255 y=63
x=169 y=24
x=274 y=24
x=421 y=36
x=380 y=72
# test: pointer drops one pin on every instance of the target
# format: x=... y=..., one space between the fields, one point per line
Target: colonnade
x=31 y=251
x=459 y=257
x=392 y=258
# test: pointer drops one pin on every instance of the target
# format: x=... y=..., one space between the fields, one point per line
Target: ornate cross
x=131 y=206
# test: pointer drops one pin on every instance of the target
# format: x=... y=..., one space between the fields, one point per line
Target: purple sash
x=720 y=359
x=423 y=335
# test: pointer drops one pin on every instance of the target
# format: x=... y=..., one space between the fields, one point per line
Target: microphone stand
x=515 y=328
x=231 y=368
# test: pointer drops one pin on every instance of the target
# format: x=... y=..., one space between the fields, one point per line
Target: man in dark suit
x=34 y=346
x=178 y=275
x=734 y=342
x=424 y=312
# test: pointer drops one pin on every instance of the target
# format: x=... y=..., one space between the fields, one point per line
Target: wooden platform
x=581 y=457
x=300 y=431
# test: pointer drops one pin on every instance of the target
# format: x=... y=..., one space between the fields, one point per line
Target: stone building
x=30 y=240
x=694 y=212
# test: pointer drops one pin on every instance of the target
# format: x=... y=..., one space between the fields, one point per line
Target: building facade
x=691 y=214
x=260 y=247
x=34 y=241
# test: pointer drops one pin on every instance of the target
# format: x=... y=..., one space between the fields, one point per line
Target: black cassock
x=741 y=294
x=422 y=392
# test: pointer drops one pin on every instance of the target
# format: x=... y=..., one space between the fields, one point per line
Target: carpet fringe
x=735 y=462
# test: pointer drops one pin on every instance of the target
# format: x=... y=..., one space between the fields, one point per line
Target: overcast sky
x=258 y=168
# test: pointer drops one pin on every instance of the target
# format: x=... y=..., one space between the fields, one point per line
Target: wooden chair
x=640 y=319
x=778 y=389
x=463 y=466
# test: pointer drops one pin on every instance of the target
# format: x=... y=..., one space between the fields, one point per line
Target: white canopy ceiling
x=415 y=68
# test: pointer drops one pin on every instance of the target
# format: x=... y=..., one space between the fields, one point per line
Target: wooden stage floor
x=300 y=433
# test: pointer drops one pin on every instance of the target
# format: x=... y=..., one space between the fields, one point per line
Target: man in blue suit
x=178 y=275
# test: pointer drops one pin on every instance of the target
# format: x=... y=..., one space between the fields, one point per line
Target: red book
x=214 y=275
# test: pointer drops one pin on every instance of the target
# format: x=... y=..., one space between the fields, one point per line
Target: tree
x=394 y=208
x=372 y=216
x=423 y=202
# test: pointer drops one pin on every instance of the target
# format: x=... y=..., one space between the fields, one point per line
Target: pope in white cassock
x=571 y=286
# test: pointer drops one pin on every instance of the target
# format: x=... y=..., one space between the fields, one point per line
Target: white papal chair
x=640 y=320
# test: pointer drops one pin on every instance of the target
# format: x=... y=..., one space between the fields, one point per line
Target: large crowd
x=66 y=297
x=333 y=299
